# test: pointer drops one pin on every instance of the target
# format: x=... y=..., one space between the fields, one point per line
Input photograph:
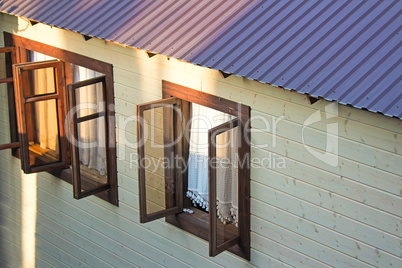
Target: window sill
x=67 y=176
x=198 y=225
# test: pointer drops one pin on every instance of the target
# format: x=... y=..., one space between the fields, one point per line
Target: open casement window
x=223 y=149
x=39 y=103
x=166 y=186
x=87 y=119
x=6 y=86
x=160 y=180
x=39 y=99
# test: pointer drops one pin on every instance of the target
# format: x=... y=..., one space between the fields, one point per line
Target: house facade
x=324 y=178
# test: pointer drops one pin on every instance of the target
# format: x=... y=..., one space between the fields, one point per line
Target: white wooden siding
x=307 y=214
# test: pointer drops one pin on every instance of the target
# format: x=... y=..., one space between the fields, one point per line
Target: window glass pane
x=5 y=59
x=89 y=99
x=42 y=132
x=226 y=168
x=3 y=65
x=202 y=119
x=157 y=160
x=4 y=98
x=4 y=115
x=92 y=153
x=36 y=56
x=39 y=82
x=81 y=73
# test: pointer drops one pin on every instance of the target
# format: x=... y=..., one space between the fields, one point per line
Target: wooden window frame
x=174 y=203
x=22 y=46
x=214 y=247
x=199 y=223
x=11 y=59
x=22 y=101
x=79 y=180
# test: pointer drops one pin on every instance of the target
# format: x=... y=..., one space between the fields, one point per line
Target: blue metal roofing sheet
x=348 y=51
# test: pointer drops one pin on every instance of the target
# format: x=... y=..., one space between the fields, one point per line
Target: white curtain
x=91 y=133
x=203 y=119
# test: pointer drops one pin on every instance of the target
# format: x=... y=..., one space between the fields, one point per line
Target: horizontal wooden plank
x=317 y=139
x=124 y=92
x=49 y=258
x=80 y=240
x=67 y=255
x=296 y=172
x=346 y=168
x=262 y=260
x=42 y=263
x=12 y=217
x=127 y=183
x=125 y=108
x=15 y=239
x=127 y=153
x=8 y=232
x=126 y=138
x=4 y=114
x=327 y=218
x=3 y=260
x=323 y=235
x=127 y=167
x=283 y=253
x=136 y=81
x=7 y=253
x=334 y=202
x=155 y=199
x=304 y=245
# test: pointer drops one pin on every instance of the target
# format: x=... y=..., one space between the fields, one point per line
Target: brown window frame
x=79 y=181
x=11 y=58
x=200 y=222
x=215 y=248
x=21 y=46
x=174 y=203
x=22 y=100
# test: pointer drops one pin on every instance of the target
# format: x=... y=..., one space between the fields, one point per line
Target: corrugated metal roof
x=348 y=51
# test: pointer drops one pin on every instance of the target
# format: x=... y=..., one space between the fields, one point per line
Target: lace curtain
x=203 y=119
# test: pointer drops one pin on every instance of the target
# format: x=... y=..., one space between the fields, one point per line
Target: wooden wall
x=305 y=213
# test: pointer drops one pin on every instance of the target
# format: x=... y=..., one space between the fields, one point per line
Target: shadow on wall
x=17 y=190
